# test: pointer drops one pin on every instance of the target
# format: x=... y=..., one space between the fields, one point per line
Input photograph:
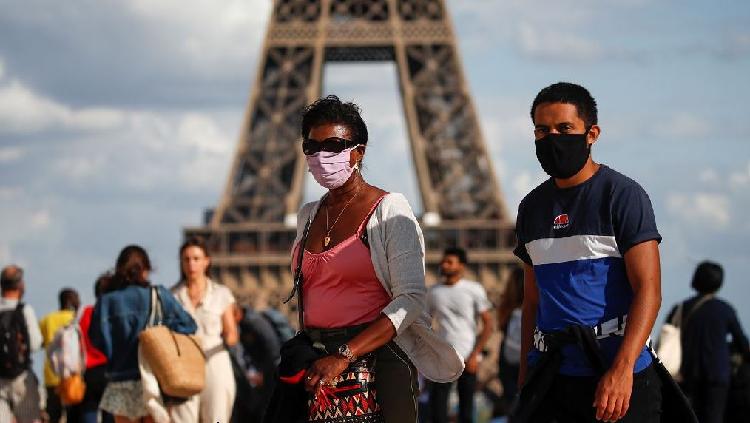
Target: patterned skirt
x=124 y=399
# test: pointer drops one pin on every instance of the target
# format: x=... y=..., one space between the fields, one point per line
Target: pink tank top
x=341 y=288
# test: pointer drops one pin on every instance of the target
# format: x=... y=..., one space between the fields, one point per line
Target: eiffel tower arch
x=251 y=230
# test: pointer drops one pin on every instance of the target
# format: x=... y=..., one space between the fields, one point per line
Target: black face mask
x=562 y=155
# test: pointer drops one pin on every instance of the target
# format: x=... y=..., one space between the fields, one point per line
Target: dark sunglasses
x=330 y=145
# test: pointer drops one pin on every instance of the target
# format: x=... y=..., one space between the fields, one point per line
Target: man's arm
x=738 y=336
x=643 y=269
x=484 y=335
x=528 y=318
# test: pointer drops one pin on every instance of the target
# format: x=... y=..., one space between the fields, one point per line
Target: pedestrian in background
x=212 y=307
x=96 y=366
x=705 y=366
x=118 y=318
x=20 y=336
x=49 y=325
x=456 y=304
x=509 y=322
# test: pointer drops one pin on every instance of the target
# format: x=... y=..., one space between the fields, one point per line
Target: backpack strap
x=677 y=317
x=702 y=300
x=18 y=314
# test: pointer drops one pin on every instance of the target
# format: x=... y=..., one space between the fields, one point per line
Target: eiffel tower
x=251 y=231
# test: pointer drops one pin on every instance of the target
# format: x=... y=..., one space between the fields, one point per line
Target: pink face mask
x=331 y=170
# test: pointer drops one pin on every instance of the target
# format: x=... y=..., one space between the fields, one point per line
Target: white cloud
x=9 y=193
x=708 y=176
x=80 y=167
x=40 y=220
x=704 y=208
x=208 y=150
x=524 y=182
x=684 y=125
x=741 y=178
x=733 y=46
x=152 y=152
x=10 y=154
x=201 y=132
x=24 y=111
x=5 y=256
x=536 y=43
x=209 y=35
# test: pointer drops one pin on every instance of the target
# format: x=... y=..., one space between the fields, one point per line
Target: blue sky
x=118 y=120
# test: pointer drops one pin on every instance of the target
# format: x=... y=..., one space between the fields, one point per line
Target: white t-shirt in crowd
x=455 y=309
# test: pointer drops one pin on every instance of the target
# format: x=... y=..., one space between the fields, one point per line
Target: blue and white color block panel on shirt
x=572 y=248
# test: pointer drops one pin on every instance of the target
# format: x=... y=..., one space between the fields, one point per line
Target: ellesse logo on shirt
x=561 y=221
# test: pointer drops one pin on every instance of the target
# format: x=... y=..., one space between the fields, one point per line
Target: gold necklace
x=327 y=238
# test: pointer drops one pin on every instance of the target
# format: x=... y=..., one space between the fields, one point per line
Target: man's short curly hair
x=569 y=93
x=332 y=110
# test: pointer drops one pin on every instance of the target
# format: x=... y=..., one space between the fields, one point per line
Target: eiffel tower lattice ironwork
x=251 y=230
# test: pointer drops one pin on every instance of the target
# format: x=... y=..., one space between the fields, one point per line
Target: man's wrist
x=623 y=365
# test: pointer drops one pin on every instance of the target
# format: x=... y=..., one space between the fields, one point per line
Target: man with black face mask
x=589 y=242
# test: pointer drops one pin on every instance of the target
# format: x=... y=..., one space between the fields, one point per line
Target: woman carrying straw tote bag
x=118 y=318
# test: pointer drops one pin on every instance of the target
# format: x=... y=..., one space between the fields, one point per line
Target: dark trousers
x=509 y=379
x=709 y=400
x=439 y=393
x=54 y=407
x=570 y=400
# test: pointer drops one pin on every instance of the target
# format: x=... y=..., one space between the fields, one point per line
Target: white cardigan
x=397 y=252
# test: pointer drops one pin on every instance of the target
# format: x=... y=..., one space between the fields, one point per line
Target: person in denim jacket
x=119 y=316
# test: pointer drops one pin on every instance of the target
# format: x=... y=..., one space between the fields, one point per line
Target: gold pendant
x=326 y=241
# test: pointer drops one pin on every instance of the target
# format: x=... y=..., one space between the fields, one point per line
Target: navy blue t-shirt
x=575 y=239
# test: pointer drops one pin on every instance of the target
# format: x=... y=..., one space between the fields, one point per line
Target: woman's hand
x=324 y=370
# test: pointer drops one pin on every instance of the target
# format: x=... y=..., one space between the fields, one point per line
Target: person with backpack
x=705 y=366
x=49 y=326
x=19 y=337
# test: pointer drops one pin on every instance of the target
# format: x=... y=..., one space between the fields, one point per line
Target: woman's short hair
x=331 y=110
x=708 y=277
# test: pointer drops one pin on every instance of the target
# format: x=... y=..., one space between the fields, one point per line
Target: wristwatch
x=347 y=353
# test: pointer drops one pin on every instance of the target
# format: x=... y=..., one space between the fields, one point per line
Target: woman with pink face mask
x=362 y=264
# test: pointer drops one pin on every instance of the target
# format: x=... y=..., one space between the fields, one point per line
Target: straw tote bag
x=176 y=360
